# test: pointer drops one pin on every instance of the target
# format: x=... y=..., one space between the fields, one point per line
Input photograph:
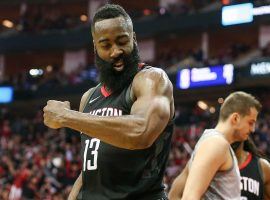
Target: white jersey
x=225 y=185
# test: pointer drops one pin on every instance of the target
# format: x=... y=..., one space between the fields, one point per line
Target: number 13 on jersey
x=90 y=145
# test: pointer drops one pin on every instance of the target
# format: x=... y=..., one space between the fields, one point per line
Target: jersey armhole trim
x=105 y=92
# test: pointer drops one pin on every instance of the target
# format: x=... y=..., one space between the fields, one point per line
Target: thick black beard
x=116 y=81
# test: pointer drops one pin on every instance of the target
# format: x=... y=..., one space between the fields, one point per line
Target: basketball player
x=254 y=170
x=125 y=121
x=212 y=172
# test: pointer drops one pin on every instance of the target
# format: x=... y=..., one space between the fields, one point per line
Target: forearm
x=191 y=195
x=177 y=189
x=122 y=131
x=76 y=188
x=174 y=195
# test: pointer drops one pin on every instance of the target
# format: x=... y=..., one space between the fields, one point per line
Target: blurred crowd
x=169 y=59
x=47 y=79
x=37 y=17
x=36 y=162
x=42 y=163
x=173 y=57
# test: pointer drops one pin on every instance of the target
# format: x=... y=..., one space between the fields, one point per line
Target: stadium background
x=46 y=52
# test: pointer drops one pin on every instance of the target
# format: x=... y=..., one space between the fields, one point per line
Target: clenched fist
x=54 y=112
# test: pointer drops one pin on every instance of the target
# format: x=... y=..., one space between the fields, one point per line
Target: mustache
x=115 y=60
x=109 y=64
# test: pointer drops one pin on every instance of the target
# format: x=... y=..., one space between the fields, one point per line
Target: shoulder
x=265 y=165
x=152 y=73
x=85 y=97
x=154 y=78
x=215 y=144
x=215 y=139
x=86 y=94
x=213 y=151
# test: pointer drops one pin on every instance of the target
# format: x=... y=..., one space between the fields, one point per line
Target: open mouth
x=119 y=65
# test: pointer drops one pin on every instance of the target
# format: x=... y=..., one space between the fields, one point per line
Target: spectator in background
x=20 y=179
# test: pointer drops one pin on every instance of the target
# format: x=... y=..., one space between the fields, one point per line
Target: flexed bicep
x=153 y=104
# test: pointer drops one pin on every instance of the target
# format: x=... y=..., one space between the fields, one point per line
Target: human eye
x=105 y=45
x=123 y=41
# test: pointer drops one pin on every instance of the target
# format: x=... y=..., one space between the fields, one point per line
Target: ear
x=134 y=37
x=235 y=118
x=94 y=46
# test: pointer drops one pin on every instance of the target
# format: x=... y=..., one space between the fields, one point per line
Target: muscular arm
x=178 y=185
x=266 y=178
x=210 y=157
x=149 y=116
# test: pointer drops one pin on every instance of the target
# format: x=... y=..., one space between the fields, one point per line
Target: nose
x=116 y=52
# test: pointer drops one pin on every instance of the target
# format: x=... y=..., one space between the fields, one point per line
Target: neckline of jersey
x=247 y=161
x=105 y=92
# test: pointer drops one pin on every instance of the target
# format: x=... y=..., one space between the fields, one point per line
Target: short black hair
x=109 y=11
